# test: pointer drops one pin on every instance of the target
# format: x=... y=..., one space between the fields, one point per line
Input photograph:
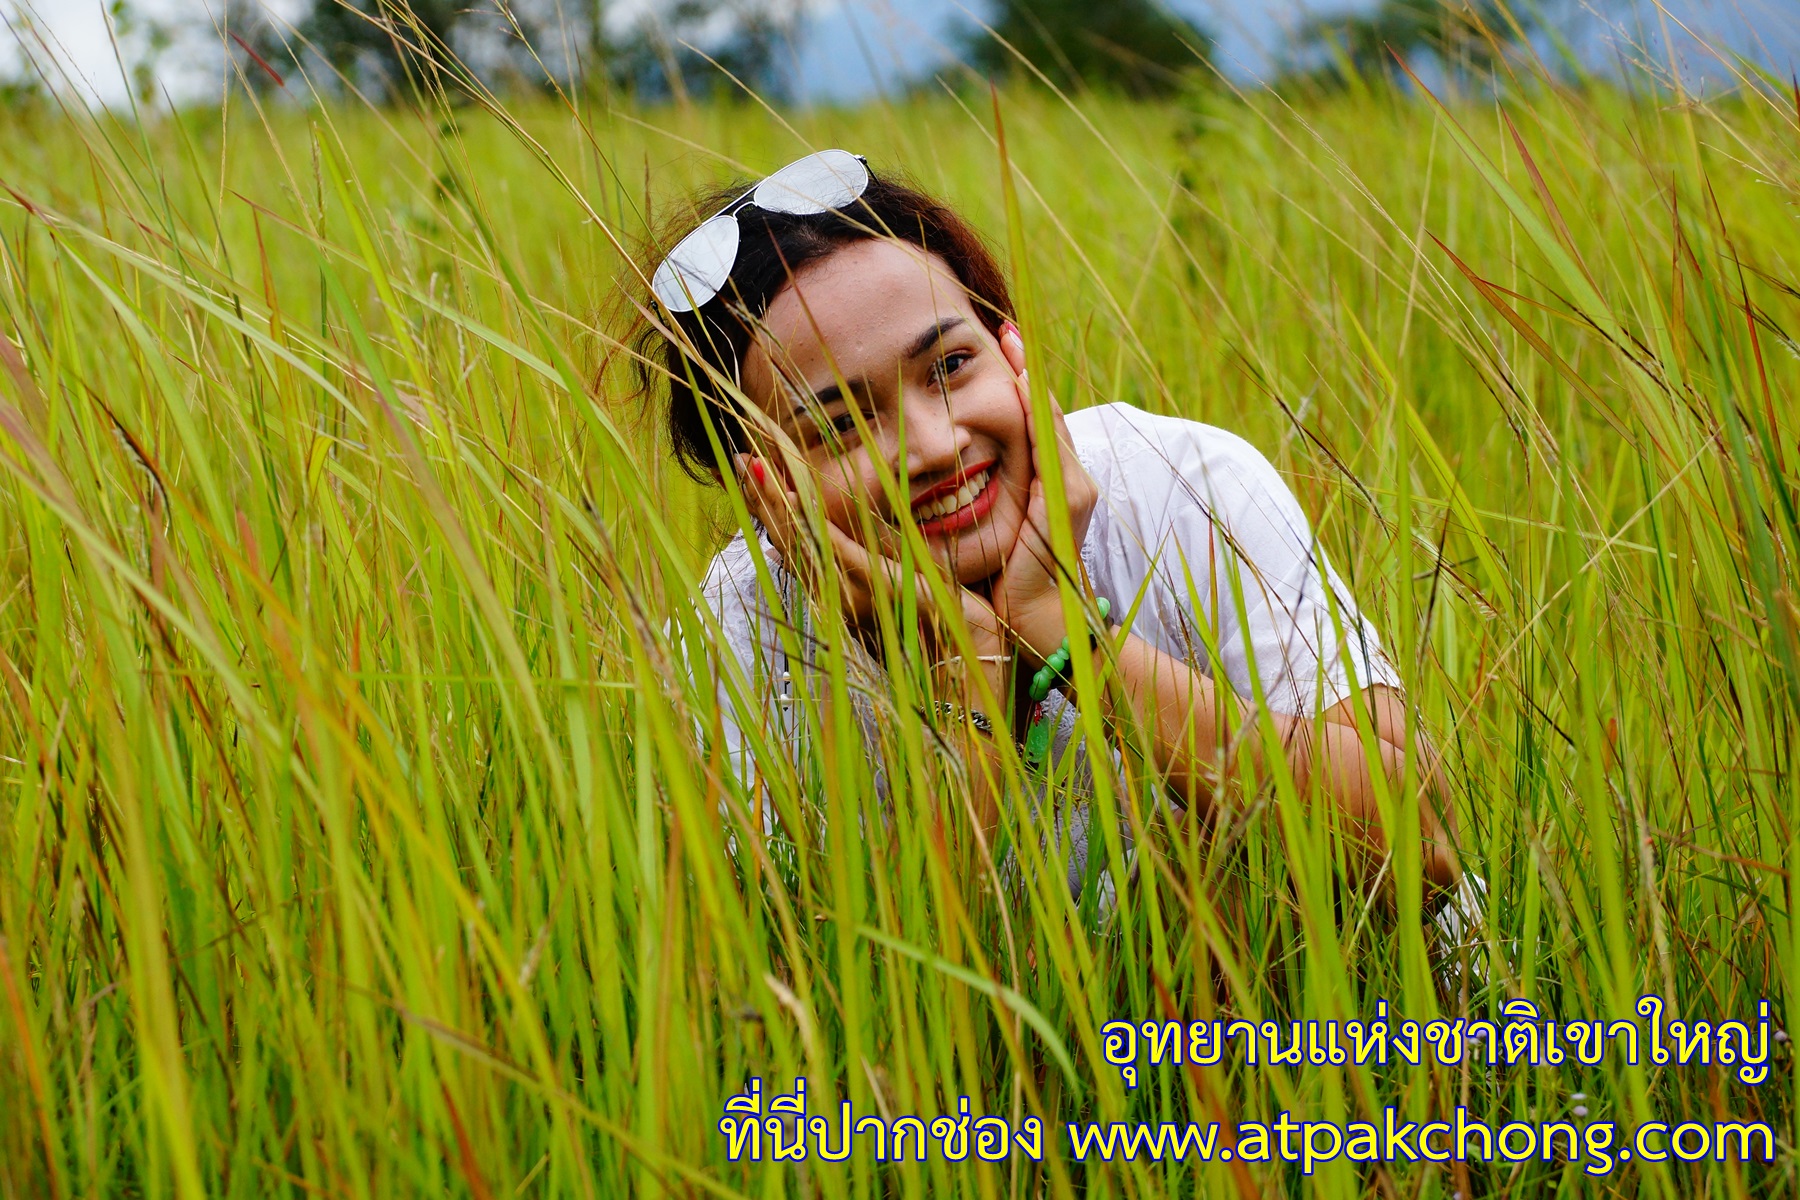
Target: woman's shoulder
x=730 y=581
x=1123 y=445
x=742 y=596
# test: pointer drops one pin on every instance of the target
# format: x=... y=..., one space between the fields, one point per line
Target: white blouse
x=1190 y=518
x=1200 y=522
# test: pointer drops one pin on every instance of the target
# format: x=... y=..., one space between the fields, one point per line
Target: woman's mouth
x=958 y=504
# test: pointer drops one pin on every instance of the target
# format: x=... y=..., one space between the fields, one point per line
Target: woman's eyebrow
x=811 y=401
x=824 y=396
x=933 y=336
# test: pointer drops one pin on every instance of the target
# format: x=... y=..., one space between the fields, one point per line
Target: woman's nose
x=935 y=441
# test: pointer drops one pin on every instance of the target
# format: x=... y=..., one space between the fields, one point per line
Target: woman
x=845 y=345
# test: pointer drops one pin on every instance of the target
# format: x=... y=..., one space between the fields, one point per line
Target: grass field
x=355 y=836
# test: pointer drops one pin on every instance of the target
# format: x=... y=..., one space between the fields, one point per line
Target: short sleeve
x=759 y=611
x=750 y=633
x=1237 y=581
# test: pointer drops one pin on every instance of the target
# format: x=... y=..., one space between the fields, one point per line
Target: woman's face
x=882 y=331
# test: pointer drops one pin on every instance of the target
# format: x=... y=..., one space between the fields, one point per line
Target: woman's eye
x=949 y=365
x=844 y=424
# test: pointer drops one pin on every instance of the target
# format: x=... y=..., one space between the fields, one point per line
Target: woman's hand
x=1026 y=596
x=977 y=684
x=774 y=503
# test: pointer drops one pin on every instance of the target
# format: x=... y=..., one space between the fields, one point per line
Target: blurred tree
x=257 y=52
x=697 y=46
x=597 y=50
x=1138 y=47
x=389 y=47
x=23 y=87
x=142 y=40
x=1459 y=34
x=383 y=44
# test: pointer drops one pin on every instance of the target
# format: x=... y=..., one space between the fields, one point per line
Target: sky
x=853 y=48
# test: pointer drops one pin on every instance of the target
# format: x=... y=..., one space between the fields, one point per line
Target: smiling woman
x=853 y=367
x=877 y=340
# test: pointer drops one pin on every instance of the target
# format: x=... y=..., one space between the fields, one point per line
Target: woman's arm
x=1190 y=718
x=981 y=686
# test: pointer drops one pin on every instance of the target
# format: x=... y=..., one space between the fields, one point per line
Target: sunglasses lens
x=698 y=266
x=701 y=262
x=819 y=182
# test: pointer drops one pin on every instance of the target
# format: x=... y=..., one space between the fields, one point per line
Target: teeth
x=946 y=505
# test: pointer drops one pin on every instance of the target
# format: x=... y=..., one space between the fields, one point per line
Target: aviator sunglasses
x=701 y=262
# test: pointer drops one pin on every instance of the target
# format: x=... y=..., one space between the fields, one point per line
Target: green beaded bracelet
x=1056 y=666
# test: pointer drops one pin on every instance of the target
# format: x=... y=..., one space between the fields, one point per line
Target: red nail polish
x=756 y=470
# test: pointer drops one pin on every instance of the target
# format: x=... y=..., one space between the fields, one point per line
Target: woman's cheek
x=842 y=488
x=857 y=478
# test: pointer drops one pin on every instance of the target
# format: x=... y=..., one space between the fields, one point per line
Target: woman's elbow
x=1350 y=780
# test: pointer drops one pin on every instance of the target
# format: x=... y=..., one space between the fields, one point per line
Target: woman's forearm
x=982 y=687
x=1344 y=759
x=1200 y=740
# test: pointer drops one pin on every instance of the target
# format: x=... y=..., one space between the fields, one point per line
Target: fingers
x=1012 y=346
x=751 y=478
x=853 y=560
x=863 y=573
x=860 y=566
x=1037 y=547
x=872 y=579
x=777 y=507
x=1078 y=488
x=773 y=504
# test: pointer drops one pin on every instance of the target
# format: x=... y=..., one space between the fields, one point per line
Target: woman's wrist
x=951 y=636
x=975 y=681
x=1043 y=628
x=970 y=708
x=1096 y=631
x=961 y=675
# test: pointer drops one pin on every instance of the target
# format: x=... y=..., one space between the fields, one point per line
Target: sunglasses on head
x=697 y=268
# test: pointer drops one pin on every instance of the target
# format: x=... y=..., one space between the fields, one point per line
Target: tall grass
x=360 y=836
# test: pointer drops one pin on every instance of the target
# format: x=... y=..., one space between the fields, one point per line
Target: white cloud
x=86 y=50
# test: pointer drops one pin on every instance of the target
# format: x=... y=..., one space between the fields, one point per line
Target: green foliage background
x=355 y=835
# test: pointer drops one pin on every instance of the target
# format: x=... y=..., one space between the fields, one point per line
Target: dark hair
x=711 y=342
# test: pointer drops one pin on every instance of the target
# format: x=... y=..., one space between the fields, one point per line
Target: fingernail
x=757 y=470
x=1007 y=327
